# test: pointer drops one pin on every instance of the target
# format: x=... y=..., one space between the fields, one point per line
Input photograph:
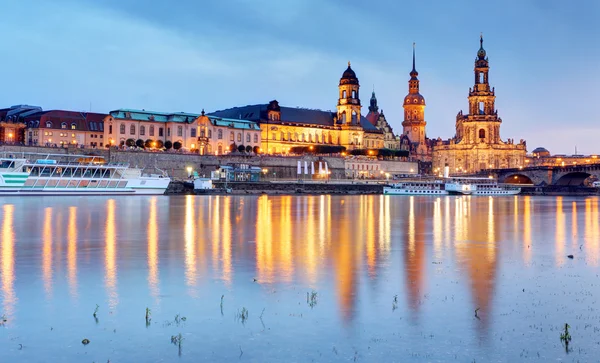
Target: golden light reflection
x=72 y=251
x=343 y=253
x=47 y=252
x=414 y=255
x=437 y=229
x=491 y=226
x=226 y=240
x=190 y=239
x=152 y=229
x=574 y=229
x=216 y=230
x=527 y=241
x=264 y=246
x=285 y=236
x=371 y=248
x=592 y=231
x=8 y=260
x=560 y=232
x=385 y=225
x=110 y=265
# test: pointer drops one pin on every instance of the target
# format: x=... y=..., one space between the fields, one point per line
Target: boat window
x=77 y=173
x=67 y=172
x=6 y=164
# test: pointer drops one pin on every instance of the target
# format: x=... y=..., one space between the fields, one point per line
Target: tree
x=248 y=149
x=232 y=147
x=241 y=148
x=139 y=143
x=168 y=144
x=256 y=150
x=130 y=142
x=177 y=145
x=159 y=144
x=149 y=143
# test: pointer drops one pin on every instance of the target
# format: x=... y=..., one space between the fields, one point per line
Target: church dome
x=540 y=151
x=349 y=77
x=414 y=99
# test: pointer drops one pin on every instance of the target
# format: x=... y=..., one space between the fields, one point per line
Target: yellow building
x=283 y=128
x=477 y=144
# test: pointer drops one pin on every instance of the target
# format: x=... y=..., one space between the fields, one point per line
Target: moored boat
x=63 y=174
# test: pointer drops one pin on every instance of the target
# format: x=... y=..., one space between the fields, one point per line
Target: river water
x=299 y=279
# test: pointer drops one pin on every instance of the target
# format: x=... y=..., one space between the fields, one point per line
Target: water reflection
x=110 y=254
x=47 y=252
x=8 y=259
x=356 y=251
x=72 y=251
x=152 y=228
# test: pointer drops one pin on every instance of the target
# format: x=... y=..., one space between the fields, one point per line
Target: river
x=299 y=278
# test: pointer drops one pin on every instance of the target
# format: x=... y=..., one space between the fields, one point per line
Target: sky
x=189 y=55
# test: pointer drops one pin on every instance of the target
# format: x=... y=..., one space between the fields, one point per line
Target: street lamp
x=189 y=170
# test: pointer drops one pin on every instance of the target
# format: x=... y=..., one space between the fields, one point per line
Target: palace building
x=477 y=144
x=283 y=128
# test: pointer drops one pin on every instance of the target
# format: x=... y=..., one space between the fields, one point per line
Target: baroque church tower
x=414 y=109
x=482 y=125
x=348 y=109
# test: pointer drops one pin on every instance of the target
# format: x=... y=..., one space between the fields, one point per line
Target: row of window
x=193 y=133
x=324 y=139
x=364 y=167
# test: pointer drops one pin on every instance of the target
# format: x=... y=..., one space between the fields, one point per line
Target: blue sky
x=187 y=55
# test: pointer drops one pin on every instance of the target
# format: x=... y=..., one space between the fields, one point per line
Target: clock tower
x=414 y=109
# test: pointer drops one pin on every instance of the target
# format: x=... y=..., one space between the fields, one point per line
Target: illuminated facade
x=282 y=128
x=377 y=119
x=477 y=144
x=542 y=157
x=61 y=128
x=201 y=133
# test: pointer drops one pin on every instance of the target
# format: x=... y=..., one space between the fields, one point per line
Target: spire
x=414 y=73
x=481 y=53
x=414 y=68
x=373 y=107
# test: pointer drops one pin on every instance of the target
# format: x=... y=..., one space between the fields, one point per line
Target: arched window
x=354 y=94
x=481 y=77
x=49 y=124
x=256 y=138
x=354 y=117
x=142 y=130
x=132 y=130
x=232 y=136
x=344 y=94
x=247 y=137
x=209 y=133
x=219 y=134
x=63 y=125
x=73 y=126
x=122 y=129
x=481 y=134
x=295 y=136
x=239 y=139
x=282 y=136
x=310 y=138
x=151 y=130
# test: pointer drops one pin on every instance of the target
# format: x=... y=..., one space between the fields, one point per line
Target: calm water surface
x=396 y=279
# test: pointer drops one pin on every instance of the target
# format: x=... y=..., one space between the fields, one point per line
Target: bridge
x=546 y=175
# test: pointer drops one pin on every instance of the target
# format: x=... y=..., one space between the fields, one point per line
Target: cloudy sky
x=189 y=55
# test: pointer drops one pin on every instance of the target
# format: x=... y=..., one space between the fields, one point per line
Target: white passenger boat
x=62 y=174
x=446 y=186
x=451 y=185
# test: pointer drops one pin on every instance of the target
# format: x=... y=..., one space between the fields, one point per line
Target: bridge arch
x=517 y=178
x=575 y=178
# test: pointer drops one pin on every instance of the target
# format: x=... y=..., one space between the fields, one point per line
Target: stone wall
x=308 y=188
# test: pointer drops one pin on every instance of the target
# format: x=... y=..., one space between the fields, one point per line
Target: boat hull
x=399 y=191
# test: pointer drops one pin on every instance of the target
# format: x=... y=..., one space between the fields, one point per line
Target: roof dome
x=414 y=99
x=540 y=151
x=349 y=77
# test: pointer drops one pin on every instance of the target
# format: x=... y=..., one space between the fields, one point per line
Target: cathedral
x=477 y=145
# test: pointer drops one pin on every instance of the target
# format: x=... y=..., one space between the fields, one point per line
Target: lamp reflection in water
x=189 y=237
x=47 y=252
x=527 y=241
x=414 y=254
x=110 y=265
x=72 y=251
x=8 y=260
x=560 y=232
x=226 y=241
x=592 y=231
x=153 y=278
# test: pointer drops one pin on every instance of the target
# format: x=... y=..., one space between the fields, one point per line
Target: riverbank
x=342 y=187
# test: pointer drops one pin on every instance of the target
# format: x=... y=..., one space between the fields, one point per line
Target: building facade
x=477 y=144
x=12 y=128
x=377 y=119
x=208 y=135
x=283 y=128
x=64 y=128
